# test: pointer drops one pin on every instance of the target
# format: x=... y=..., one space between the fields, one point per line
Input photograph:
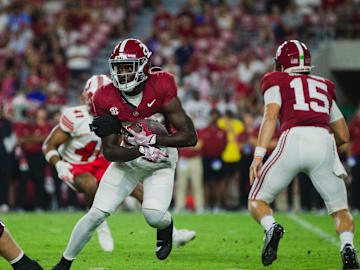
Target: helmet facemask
x=128 y=73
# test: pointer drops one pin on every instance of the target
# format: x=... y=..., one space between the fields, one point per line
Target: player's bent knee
x=156 y=218
x=96 y=216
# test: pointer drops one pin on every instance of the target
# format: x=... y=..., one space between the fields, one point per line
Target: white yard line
x=315 y=230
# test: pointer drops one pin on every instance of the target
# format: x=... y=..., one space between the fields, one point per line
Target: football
x=154 y=126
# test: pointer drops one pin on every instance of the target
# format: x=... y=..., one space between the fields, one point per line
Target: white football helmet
x=93 y=84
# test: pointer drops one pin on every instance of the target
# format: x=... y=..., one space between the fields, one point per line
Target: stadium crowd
x=218 y=53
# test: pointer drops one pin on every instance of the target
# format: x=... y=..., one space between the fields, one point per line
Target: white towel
x=338 y=168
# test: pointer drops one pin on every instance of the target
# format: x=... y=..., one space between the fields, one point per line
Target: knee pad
x=156 y=218
x=96 y=216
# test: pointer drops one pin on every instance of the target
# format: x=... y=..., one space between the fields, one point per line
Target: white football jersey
x=83 y=146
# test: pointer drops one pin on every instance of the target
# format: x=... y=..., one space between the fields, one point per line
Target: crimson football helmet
x=93 y=84
x=129 y=64
x=292 y=56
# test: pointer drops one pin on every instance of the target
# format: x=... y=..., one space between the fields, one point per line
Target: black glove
x=105 y=125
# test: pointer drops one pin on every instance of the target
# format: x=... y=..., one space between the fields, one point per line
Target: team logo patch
x=114 y=111
x=135 y=114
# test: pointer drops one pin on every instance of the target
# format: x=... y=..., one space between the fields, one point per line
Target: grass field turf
x=225 y=241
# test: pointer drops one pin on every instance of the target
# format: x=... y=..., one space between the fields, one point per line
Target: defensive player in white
x=308 y=114
x=75 y=152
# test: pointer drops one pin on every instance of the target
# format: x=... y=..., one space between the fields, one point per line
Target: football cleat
x=104 y=237
x=181 y=237
x=63 y=265
x=272 y=238
x=32 y=265
x=349 y=258
x=164 y=242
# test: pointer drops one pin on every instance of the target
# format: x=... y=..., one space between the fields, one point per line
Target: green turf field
x=225 y=241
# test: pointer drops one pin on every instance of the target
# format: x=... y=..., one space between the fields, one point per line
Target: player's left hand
x=255 y=168
x=141 y=138
x=105 y=125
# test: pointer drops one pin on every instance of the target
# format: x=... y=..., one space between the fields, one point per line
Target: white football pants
x=302 y=149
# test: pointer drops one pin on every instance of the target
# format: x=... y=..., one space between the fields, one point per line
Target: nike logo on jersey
x=151 y=103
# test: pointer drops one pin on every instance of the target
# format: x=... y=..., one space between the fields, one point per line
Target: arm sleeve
x=335 y=113
x=272 y=95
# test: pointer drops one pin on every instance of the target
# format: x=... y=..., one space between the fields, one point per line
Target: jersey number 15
x=312 y=86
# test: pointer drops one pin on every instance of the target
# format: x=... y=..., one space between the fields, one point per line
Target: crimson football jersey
x=306 y=100
x=160 y=88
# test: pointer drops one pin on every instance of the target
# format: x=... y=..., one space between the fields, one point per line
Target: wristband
x=260 y=152
x=50 y=154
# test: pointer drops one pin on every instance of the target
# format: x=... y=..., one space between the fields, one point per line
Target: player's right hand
x=63 y=169
x=105 y=125
x=153 y=154
x=255 y=169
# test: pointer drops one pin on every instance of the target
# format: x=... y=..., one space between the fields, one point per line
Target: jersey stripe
x=265 y=167
x=67 y=124
x=262 y=179
x=67 y=120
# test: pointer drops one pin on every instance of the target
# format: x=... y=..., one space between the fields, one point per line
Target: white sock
x=18 y=258
x=83 y=231
x=267 y=221
x=174 y=231
x=346 y=237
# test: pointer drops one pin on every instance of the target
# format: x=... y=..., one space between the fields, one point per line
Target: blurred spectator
x=214 y=141
x=55 y=99
x=354 y=159
x=30 y=136
x=198 y=109
x=227 y=105
x=183 y=53
x=185 y=25
x=205 y=27
x=162 y=20
x=249 y=67
x=173 y=68
x=293 y=21
x=189 y=167
x=115 y=15
x=246 y=149
x=79 y=62
x=231 y=155
x=18 y=17
x=5 y=132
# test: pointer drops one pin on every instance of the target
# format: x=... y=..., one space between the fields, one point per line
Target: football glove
x=153 y=154
x=63 y=169
x=144 y=137
x=105 y=125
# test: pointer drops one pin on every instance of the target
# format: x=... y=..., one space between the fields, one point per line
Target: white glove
x=145 y=137
x=63 y=170
x=153 y=154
